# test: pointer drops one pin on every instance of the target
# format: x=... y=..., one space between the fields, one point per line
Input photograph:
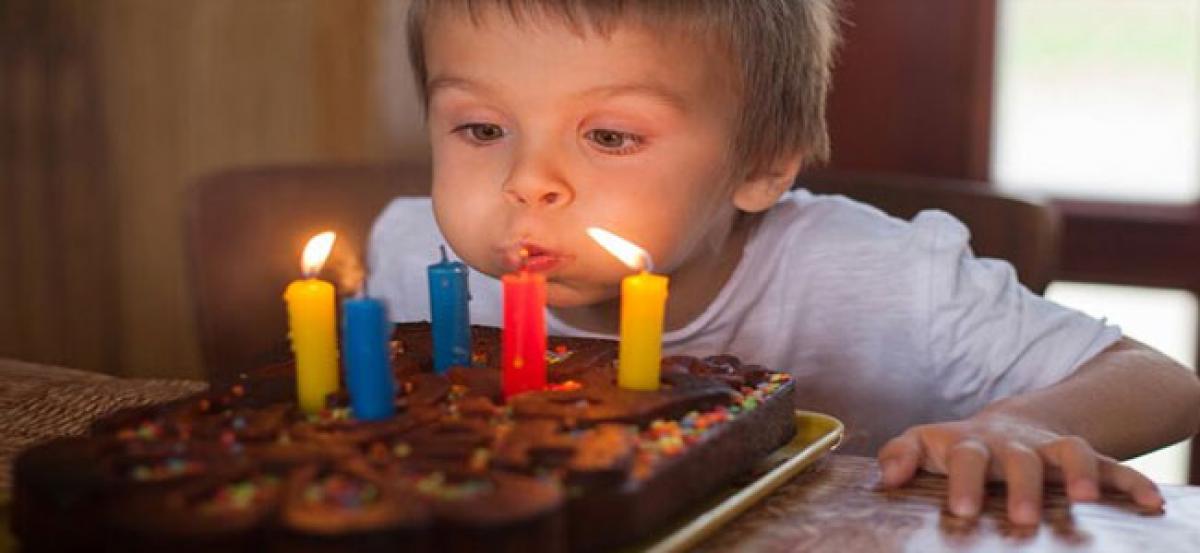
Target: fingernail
x=1084 y=490
x=1025 y=513
x=1152 y=499
x=963 y=507
x=889 y=470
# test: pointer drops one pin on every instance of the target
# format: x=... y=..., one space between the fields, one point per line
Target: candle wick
x=647 y=262
x=524 y=255
x=443 y=248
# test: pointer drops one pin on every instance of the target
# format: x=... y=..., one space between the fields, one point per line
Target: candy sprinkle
x=340 y=490
x=435 y=485
x=558 y=355
x=239 y=496
x=565 y=386
x=171 y=467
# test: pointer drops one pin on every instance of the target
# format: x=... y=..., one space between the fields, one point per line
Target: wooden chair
x=1020 y=231
x=245 y=231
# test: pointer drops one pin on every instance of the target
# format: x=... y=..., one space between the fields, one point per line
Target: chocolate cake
x=581 y=466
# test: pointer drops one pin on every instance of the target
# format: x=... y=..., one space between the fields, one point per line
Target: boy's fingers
x=967 y=466
x=1132 y=482
x=899 y=459
x=1023 y=472
x=1080 y=465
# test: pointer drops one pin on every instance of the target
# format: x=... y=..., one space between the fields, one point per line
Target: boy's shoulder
x=821 y=222
x=406 y=211
x=404 y=228
x=407 y=222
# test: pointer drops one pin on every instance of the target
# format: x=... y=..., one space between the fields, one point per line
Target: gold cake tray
x=816 y=435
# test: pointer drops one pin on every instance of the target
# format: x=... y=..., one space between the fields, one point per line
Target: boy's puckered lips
x=532 y=257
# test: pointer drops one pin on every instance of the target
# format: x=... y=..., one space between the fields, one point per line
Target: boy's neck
x=693 y=287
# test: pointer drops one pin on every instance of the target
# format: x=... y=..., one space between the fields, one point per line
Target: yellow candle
x=643 y=303
x=312 y=327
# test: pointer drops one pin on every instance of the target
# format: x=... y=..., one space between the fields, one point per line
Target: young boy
x=681 y=126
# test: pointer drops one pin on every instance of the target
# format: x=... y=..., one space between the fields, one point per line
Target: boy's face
x=539 y=132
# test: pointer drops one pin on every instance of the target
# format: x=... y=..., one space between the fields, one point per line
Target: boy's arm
x=1127 y=400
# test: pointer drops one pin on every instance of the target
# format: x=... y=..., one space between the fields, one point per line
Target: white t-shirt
x=885 y=323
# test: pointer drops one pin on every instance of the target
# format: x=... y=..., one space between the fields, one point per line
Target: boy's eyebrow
x=438 y=83
x=657 y=92
x=660 y=93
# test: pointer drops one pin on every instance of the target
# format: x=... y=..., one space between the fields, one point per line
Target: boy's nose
x=540 y=191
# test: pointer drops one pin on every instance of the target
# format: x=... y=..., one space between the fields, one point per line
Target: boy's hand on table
x=973 y=451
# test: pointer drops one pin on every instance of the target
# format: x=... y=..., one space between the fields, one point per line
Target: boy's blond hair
x=782 y=48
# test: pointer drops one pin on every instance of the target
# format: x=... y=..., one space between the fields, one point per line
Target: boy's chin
x=560 y=296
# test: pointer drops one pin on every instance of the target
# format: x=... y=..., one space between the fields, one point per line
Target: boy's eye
x=614 y=141
x=482 y=132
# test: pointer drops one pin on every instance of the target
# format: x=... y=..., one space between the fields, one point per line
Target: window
x=1100 y=100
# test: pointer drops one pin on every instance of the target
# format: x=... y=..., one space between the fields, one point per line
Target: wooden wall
x=912 y=92
x=109 y=109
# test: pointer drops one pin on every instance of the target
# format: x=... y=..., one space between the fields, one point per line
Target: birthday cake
x=583 y=465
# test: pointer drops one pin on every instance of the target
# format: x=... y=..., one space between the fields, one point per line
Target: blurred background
x=110 y=109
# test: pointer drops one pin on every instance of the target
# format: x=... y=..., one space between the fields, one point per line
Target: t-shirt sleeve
x=989 y=336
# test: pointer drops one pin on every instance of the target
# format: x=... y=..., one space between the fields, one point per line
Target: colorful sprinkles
x=330 y=415
x=239 y=496
x=559 y=354
x=667 y=438
x=166 y=469
x=145 y=431
x=565 y=386
x=341 y=490
x=436 y=486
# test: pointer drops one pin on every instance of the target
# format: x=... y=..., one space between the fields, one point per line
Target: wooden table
x=836 y=506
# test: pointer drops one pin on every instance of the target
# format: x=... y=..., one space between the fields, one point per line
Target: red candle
x=524 y=336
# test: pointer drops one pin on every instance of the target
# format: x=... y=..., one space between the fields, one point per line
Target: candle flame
x=629 y=253
x=316 y=252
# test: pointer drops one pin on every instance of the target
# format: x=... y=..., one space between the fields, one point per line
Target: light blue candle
x=365 y=350
x=448 y=297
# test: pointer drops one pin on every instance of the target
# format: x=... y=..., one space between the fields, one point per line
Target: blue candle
x=365 y=351
x=448 y=297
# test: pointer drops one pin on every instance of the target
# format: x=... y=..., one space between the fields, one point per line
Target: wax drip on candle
x=446 y=259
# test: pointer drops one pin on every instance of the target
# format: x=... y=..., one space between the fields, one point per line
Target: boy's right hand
x=973 y=451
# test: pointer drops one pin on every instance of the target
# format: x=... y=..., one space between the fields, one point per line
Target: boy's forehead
x=484 y=50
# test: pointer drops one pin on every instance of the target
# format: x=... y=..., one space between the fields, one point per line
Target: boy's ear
x=762 y=189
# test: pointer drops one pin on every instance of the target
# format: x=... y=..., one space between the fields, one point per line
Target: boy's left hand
x=973 y=451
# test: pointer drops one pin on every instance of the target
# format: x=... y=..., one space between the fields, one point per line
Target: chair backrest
x=1021 y=231
x=245 y=231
